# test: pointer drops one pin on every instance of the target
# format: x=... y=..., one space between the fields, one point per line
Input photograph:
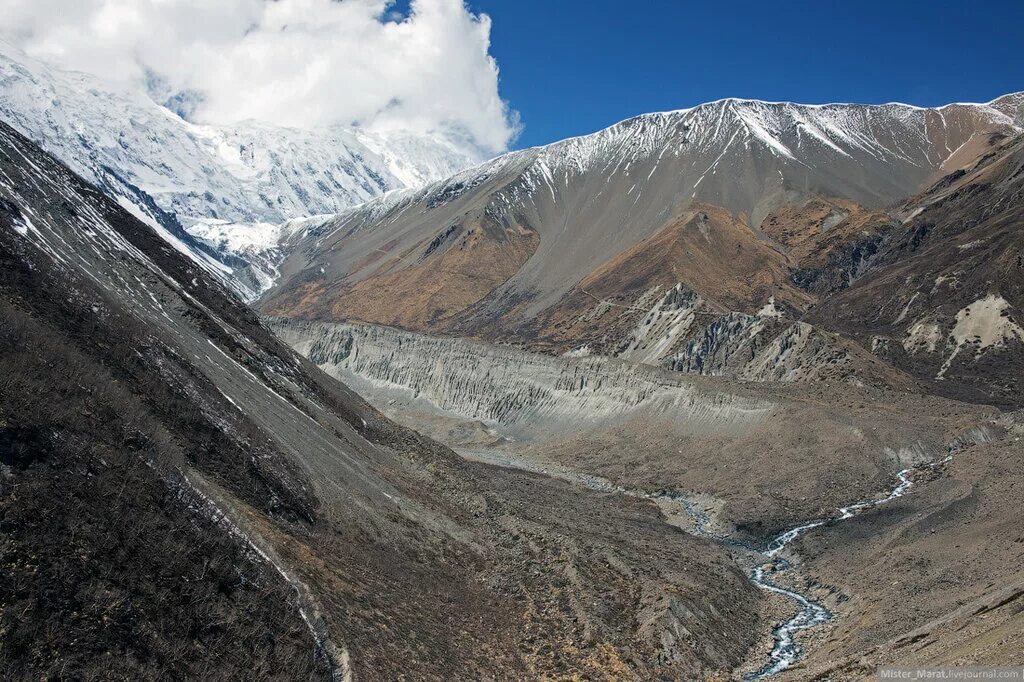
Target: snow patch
x=25 y=226
x=237 y=237
x=758 y=130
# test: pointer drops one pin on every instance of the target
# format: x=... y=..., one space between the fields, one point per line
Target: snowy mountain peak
x=250 y=172
x=588 y=200
x=760 y=141
x=180 y=175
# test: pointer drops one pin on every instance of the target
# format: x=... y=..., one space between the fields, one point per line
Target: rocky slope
x=180 y=175
x=942 y=295
x=545 y=220
x=226 y=510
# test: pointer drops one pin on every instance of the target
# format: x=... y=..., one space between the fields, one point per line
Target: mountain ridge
x=1001 y=106
x=588 y=200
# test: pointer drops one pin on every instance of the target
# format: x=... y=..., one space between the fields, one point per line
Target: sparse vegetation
x=109 y=571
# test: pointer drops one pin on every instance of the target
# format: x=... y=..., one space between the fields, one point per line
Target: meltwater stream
x=786 y=651
x=768 y=561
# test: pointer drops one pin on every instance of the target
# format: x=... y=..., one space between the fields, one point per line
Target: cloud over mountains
x=302 y=63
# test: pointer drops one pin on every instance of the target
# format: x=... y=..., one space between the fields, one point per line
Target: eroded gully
x=765 y=564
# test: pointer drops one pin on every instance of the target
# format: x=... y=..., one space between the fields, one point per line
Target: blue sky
x=575 y=66
x=568 y=67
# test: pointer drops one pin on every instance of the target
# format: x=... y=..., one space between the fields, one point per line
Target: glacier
x=183 y=178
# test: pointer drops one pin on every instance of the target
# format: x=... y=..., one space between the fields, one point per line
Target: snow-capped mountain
x=734 y=152
x=165 y=167
x=697 y=240
x=590 y=199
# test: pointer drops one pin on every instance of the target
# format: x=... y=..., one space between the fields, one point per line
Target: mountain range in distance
x=221 y=191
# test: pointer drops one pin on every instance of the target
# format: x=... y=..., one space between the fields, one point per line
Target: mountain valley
x=767 y=357
x=362 y=549
x=729 y=392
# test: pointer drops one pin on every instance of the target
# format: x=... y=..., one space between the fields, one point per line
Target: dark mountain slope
x=114 y=564
x=184 y=496
x=942 y=296
x=113 y=567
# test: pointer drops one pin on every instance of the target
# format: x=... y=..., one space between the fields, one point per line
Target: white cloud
x=303 y=63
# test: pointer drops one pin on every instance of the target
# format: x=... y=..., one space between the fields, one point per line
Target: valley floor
x=932 y=576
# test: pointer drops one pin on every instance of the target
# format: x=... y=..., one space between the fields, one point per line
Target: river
x=766 y=563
